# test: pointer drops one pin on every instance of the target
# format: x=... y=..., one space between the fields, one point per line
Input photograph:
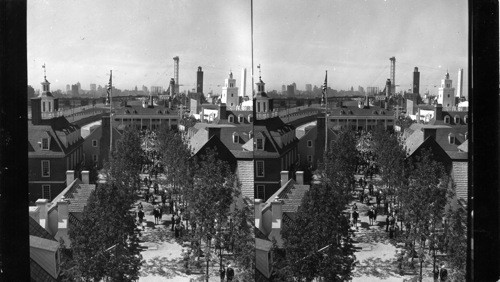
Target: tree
x=126 y=160
x=423 y=200
x=456 y=242
x=318 y=243
x=243 y=240
x=31 y=92
x=105 y=243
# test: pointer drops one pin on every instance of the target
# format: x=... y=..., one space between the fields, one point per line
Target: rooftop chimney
x=62 y=221
x=85 y=177
x=299 y=175
x=277 y=215
x=222 y=111
x=439 y=112
x=258 y=213
x=70 y=176
x=43 y=210
x=284 y=177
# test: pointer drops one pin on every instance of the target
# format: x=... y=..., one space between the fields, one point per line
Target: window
x=457 y=119
x=240 y=119
x=94 y=143
x=447 y=119
x=260 y=144
x=309 y=158
x=309 y=143
x=235 y=137
x=43 y=106
x=232 y=104
x=260 y=168
x=50 y=107
x=232 y=95
x=45 y=143
x=250 y=118
x=451 y=138
x=95 y=158
x=231 y=118
x=46 y=192
x=45 y=168
x=261 y=192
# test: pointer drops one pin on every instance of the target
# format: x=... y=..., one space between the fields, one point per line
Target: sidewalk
x=163 y=256
x=375 y=253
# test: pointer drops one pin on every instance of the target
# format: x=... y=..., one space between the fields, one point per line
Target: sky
x=294 y=41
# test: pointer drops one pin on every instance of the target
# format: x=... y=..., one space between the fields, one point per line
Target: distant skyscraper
x=243 y=89
x=361 y=89
x=283 y=89
x=93 y=87
x=309 y=87
x=460 y=83
x=68 y=89
x=79 y=87
x=290 y=90
x=145 y=89
x=74 y=89
x=176 y=73
x=199 y=81
x=294 y=88
x=416 y=81
x=393 y=75
x=372 y=90
x=156 y=89
x=446 y=93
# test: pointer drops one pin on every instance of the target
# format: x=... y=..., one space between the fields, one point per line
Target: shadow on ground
x=376 y=267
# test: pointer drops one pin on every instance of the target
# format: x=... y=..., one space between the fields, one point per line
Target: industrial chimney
x=176 y=74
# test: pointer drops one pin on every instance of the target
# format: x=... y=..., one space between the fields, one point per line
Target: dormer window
x=250 y=118
x=447 y=119
x=231 y=118
x=240 y=119
x=260 y=143
x=236 y=138
x=451 y=138
x=457 y=119
x=45 y=143
x=466 y=119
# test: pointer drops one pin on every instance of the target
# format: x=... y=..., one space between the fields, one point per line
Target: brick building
x=54 y=146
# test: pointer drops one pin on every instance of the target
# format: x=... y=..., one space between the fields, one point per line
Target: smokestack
x=284 y=177
x=388 y=88
x=199 y=81
x=393 y=75
x=416 y=81
x=176 y=73
x=85 y=177
x=70 y=176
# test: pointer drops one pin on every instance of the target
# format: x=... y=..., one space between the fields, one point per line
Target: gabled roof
x=48 y=128
x=443 y=132
x=37 y=230
x=464 y=147
x=37 y=273
x=77 y=194
x=290 y=194
x=44 y=244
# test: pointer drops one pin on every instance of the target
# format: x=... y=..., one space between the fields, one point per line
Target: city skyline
x=82 y=41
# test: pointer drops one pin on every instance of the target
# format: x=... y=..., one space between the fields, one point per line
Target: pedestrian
x=391 y=232
x=222 y=273
x=355 y=216
x=354 y=207
x=172 y=222
x=360 y=182
x=229 y=273
x=386 y=207
x=387 y=220
x=361 y=195
x=378 y=200
x=177 y=230
x=370 y=216
x=443 y=273
x=159 y=213
x=374 y=215
x=140 y=206
x=171 y=205
x=155 y=214
x=370 y=189
x=140 y=214
x=177 y=219
x=392 y=220
x=146 y=197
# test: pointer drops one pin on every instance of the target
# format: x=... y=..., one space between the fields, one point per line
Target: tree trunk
x=420 y=270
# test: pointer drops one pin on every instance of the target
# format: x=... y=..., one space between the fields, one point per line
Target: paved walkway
x=163 y=255
x=376 y=254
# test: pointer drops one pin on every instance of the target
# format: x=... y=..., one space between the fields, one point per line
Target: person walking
x=387 y=220
x=140 y=214
x=172 y=222
x=443 y=273
x=222 y=273
x=355 y=216
x=229 y=273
